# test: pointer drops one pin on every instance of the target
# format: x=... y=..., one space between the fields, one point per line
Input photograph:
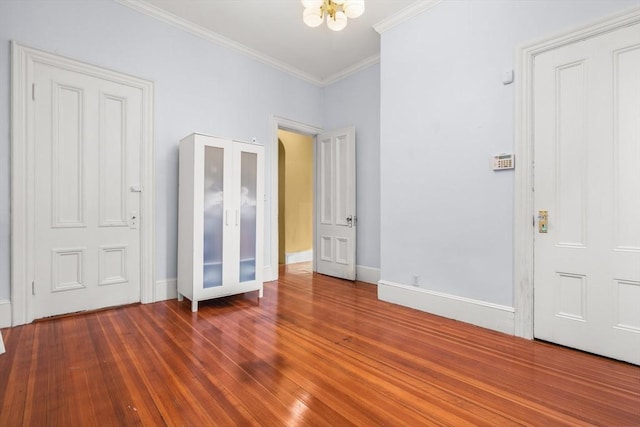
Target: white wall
x=355 y=101
x=445 y=216
x=199 y=87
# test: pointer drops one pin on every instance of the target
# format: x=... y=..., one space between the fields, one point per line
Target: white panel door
x=587 y=177
x=87 y=176
x=335 y=245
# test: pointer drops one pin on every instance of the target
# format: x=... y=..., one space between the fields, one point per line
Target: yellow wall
x=296 y=192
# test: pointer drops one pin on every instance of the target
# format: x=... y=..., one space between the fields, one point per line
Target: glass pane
x=248 y=200
x=213 y=215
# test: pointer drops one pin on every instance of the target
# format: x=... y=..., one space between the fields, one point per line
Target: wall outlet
x=415 y=280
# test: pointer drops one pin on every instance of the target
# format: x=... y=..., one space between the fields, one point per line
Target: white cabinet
x=220 y=218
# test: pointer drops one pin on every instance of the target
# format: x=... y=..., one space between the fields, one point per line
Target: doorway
x=334 y=206
x=295 y=197
x=272 y=240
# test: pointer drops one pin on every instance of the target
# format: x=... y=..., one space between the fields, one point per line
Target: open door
x=335 y=242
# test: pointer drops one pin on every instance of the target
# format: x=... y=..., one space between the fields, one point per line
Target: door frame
x=524 y=149
x=23 y=60
x=277 y=122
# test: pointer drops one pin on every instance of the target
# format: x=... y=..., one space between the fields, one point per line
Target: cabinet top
x=195 y=136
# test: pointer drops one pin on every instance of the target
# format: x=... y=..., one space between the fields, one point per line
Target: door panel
x=336 y=222
x=326 y=180
x=626 y=148
x=113 y=168
x=87 y=159
x=586 y=176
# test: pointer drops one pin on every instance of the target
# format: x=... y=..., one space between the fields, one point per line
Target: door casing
x=22 y=172
x=524 y=148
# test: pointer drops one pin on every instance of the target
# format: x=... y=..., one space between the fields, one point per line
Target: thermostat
x=503 y=161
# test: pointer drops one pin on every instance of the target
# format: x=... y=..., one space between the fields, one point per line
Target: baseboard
x=487 y=315
x=367 y=274
x=166 y=289
x=302 y=256
x=5 y=313
x=363 y=274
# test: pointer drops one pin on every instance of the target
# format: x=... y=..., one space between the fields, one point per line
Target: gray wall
x=445 y=215
x=199 y=87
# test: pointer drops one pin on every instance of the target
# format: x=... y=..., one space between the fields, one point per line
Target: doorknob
x=134 y=220
x=350 y=219
x=543 y=221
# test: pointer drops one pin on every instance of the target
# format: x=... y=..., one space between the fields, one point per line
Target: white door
x=587 y=179
x=335 y=243
x=87 y=201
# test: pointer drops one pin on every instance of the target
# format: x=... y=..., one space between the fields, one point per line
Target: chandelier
x=336 y=11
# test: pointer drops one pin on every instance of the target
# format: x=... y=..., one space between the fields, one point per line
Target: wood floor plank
x=314 y=351
x=15 y=366
x=492 y=416
x=317 y=369
x=211 y=372
x=175 y=381
x=77 y=354
x=132 y=403
x=256 y=367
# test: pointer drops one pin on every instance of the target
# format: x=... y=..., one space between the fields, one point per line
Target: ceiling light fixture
x=336 y=11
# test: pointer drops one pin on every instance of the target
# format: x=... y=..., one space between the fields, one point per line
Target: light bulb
x=338 y=22
x=312 y=4
x=312 y=17
x=354 y=8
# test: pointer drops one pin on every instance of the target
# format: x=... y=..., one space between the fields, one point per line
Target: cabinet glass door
x=213 y=216
x=248 y=205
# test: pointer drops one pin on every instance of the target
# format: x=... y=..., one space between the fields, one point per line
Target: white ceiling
x=273 y=31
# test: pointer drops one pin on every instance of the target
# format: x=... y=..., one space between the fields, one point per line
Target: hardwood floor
x=313 y=351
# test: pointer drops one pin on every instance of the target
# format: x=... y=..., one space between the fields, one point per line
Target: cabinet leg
x=261 y=292
x=194 y=306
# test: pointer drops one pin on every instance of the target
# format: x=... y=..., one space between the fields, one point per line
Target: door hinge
x=33 y=91
x=33 y=288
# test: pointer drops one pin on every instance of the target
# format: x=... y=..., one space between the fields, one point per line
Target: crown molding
x=171 y=19
x=365 y=63
x=405 y=14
